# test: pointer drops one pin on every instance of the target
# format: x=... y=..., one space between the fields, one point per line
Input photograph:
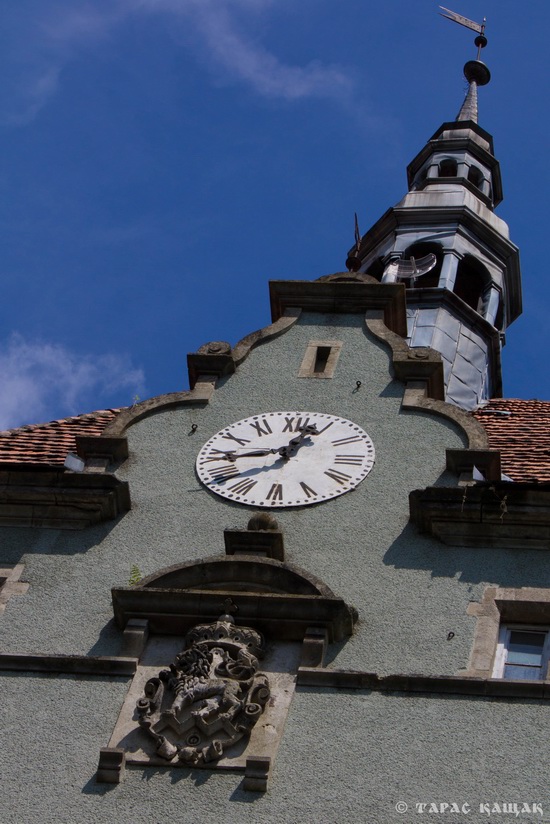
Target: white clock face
x=279 y=459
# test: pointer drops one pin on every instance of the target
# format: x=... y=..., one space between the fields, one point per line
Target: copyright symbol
x=401 y=807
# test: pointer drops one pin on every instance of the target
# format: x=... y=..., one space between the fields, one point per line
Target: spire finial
x=475 y=71
x=353 y=262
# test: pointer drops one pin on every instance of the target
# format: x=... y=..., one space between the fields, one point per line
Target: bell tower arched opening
x=419 y=250
x=472 y=281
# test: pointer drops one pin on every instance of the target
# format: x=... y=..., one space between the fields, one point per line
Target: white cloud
x=45 y=37
x=40 y=381
x=249 y=61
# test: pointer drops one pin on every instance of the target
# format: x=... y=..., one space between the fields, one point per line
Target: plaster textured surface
x=343 y=757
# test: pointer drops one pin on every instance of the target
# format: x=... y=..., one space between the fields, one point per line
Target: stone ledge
x=341 y=297
x=279 y=616
x=114 y=449
x=504 y=515
x=486 y=460
x=60 y=500
x=266 y=542
x=438 y=684
x=68 y=664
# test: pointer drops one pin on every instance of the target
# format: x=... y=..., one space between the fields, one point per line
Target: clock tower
x=313 y=586
x=444 y=241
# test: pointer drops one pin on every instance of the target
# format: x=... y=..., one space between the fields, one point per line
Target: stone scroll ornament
x=211 y=697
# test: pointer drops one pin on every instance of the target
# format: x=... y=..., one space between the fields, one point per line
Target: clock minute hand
x=285 y=451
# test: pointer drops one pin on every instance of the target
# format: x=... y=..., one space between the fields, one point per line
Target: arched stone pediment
x=238 y=574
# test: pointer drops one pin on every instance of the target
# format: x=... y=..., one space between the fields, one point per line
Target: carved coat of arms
x=211 y=696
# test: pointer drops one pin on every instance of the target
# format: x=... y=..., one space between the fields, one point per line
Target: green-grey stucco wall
x=345 y=755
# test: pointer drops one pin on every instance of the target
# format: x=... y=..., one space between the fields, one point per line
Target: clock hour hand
x=232 y=456
x=294 y=444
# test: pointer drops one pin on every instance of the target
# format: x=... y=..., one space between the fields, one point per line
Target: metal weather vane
x=481 y=40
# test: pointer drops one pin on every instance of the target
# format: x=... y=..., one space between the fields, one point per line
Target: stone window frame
x=526 y=606
x=10 y=583
x=307 y=368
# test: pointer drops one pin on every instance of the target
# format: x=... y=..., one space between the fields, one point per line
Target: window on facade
x=320 y=359
x=475 y=176
x=472 y=279
x=419 y=250
x=522 y=653
x=448 y=167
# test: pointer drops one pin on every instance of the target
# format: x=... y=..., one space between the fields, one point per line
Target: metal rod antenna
x=479 y=42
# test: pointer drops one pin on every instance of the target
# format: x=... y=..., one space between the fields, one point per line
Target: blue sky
x=163 y=159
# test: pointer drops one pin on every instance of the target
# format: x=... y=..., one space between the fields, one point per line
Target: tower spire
x=477 y=74
x=475 y=71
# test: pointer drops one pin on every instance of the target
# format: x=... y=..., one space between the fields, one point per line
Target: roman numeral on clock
x=275 y=493
x=351 y=439
x=222 y=473
x=351 y=460
x=262 y=427
x=290 y=426
x=308 y=490
x=229 y=437
x=242 y=487
x=215 y=455
x=339 y=477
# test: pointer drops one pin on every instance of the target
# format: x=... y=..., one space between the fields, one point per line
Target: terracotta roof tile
x=47 y=444
x=521 y=430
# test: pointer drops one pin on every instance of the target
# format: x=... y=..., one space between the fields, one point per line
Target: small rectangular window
x=522 y=653
x=320 y=359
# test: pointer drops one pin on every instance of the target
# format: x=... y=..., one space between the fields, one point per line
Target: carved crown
x=224 y=633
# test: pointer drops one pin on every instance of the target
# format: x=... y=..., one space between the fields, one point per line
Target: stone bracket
x=268 y=543
x=112 y=765
x=213 y=360
x=134 y=638
x=256 y=774
x=113 y=449
x=462 y=461
x=314 y=647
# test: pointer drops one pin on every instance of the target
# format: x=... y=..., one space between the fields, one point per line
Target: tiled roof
x=47 y=444
x=521 y=430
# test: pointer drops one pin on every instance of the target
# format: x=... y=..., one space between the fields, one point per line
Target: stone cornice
x=341 y=297
x=59 y=499
x=498 y=514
